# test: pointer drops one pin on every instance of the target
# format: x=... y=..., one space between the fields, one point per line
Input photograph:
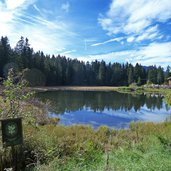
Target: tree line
x=40 y=69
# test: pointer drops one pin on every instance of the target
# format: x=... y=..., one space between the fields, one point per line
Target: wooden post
x=108 y=149
x=1 y=164
x=14 y=161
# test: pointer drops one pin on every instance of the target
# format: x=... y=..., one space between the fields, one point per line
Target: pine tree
x=130 y=76
x=167 y=74
x=139 y=81
x=160 y=75
x=152 y=75
x=102 y=73
x=5 y=52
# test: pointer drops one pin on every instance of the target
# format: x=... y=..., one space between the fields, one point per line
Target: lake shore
x=74 y=88
x=120 y=89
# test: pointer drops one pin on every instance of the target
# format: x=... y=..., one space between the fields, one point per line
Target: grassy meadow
x=145 y=146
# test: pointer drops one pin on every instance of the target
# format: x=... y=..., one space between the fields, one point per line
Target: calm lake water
x=112 y=109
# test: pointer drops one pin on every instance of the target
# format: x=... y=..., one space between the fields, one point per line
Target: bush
x=34 y=77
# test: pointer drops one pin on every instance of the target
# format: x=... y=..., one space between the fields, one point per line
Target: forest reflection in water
x=104 y=108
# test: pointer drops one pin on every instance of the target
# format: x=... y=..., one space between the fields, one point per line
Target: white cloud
x=134 y=17
x=136 y=27
x=149 y=33
x=152 y=54
x=162 y=50
x=65 y=7
x=109 y=57
x=60 y=50
x=43 y=39
x=117 y=39
x=13 y=4
x=46 y=35
x=69 y=52
x=130 y=39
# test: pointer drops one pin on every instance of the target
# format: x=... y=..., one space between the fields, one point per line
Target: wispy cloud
x=37 y=9
x=13 y=4
x=130 y=39
x=135 y=18
x=69 y=52
x=65 y=6
x=87 y=42
x=148 y=34
x=118 y=39
x=154 y=53
x=44 y=34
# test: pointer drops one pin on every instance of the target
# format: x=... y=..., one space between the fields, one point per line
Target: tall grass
x=145 y=146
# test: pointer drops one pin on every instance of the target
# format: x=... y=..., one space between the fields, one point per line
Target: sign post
x=12 y=135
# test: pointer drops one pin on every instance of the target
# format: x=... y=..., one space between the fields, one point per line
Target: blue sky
x=112 y=30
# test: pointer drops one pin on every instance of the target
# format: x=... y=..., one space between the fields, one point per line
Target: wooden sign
x=12 y=133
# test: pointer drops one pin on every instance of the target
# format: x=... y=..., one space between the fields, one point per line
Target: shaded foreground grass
x=145 y=146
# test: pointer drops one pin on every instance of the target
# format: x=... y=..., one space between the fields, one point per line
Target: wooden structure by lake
x=169 y=81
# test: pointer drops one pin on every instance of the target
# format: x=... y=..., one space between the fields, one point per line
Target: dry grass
x=75 y=88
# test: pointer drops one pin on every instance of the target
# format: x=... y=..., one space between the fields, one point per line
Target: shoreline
x=120 y=89
x=74 y=88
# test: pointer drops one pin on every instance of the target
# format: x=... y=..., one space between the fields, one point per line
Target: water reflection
x=105 y=108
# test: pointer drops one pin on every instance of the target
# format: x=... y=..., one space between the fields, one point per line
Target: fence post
x=108 y=149
x=1 y=163
x=14 y=163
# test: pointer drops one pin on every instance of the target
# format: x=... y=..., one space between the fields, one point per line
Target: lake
x=113 y=109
